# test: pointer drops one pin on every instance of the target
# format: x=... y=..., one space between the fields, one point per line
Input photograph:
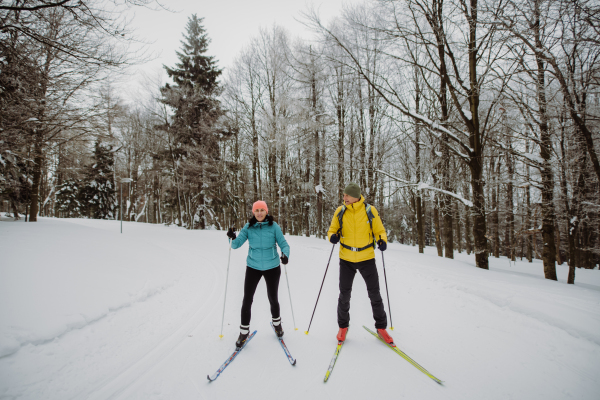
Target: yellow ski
x=405 y=356
x=333 y=360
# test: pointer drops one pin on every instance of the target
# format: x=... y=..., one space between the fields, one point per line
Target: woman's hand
x=231 y=233
x=284 y=259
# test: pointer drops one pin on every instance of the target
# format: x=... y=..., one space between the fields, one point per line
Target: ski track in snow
x=118 y=384
x=505 y=333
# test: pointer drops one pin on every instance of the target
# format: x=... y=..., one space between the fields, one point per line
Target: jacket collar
x=357 y=205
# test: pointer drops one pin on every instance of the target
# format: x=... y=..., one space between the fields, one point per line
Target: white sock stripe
x=244 y=329
x=276 y=321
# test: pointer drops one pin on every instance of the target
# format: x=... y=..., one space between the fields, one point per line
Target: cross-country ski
x=291 y=359
x=230 y=359
x=336 y=353
x=404 y=355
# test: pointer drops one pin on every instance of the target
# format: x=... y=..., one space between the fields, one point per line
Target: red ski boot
x=341 y=336
x=386 y=337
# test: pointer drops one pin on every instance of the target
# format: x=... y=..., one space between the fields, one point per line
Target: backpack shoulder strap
x=341 y=216
x=370 y=214
x=371 y=217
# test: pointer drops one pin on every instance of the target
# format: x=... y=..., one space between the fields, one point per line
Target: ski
x=291 y=359
x=333 y=360
x=230 y=359
x=405 y=356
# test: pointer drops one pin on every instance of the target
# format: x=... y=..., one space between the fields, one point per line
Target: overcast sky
x=230 y=25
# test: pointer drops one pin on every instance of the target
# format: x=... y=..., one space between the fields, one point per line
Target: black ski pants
x=251 y=282
x=369 y=273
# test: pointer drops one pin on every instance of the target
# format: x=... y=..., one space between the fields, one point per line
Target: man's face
x=349 y=199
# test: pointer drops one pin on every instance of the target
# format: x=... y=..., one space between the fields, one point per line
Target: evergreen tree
x=98 y=193
x=68 y=203
x=195 y=69
x=193 y=98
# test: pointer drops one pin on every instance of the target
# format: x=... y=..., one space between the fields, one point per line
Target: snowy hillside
x=89 y=313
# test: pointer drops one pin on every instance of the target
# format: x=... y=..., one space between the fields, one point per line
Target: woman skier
x=263 y=234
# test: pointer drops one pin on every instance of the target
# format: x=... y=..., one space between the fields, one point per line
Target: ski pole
x=225 y=297
x=386 y=289
x=290 y=293
x=313 y=314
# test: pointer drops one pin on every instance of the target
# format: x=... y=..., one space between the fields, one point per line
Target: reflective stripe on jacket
x=262 y=240
x=356 y=231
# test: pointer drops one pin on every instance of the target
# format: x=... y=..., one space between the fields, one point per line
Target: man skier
x=359 y=227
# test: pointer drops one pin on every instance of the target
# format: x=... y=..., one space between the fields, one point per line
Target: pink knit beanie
x=260 y=204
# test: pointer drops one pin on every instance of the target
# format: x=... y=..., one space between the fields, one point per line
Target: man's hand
x=284 y=259
x=231 y=234
x=334 y=238
x=382 y=245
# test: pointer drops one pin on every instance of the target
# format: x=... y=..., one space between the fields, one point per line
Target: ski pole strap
x=358 y=248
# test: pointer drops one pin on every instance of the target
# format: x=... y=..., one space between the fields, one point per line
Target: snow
x=319 y=189
x=424 y=186
x=89 y=313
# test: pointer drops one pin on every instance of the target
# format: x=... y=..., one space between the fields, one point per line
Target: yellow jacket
x=357 y=231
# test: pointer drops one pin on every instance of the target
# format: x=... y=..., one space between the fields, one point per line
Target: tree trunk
x=495 y=220
x=475 y=143
x=436 y=224
x=458 y=228
x=341 y=117
x=362 y=144
x=528 y=212
x=549 y=251
x=420 y=222
x=36 y=176
x=468 y=227
x=509 y=236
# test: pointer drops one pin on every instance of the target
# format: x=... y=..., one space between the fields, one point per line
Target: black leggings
x=252 y=278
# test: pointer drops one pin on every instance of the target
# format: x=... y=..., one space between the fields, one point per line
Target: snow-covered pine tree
x=98 y=192
x=193 y=98
x=68 y=203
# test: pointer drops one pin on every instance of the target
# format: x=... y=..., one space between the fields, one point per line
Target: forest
x=470 y=125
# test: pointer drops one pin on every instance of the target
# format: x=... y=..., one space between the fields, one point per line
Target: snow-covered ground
x=89 y=313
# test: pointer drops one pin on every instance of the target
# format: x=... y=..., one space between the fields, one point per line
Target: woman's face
x=260 y=214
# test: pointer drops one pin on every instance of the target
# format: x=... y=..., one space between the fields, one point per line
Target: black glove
x=382 y=244
x=284 y=259
x=334 y=238
x=231 y=234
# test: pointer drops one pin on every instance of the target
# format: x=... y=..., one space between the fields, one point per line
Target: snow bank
x=56 y=277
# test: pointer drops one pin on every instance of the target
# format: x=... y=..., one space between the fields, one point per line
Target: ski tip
x=294 y=363
x=208 y=377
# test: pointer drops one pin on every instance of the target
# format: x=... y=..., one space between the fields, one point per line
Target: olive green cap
x=353 y=190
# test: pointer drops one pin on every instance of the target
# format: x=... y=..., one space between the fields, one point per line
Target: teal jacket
x=262 y=239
